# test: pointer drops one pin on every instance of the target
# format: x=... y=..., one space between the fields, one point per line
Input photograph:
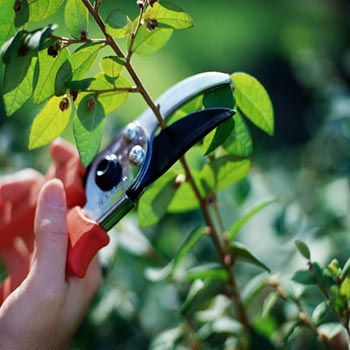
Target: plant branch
x=132 y=89
x=134 y=33
x=203 y=204
x=70 y=41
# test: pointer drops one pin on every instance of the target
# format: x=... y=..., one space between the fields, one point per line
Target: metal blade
x=174 y=141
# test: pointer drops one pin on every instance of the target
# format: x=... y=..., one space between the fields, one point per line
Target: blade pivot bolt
x=137 y=155
x=131 y=132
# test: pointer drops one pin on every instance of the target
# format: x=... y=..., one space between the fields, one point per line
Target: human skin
x=47 y=307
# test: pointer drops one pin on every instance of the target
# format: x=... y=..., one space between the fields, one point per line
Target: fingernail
x=54 y=194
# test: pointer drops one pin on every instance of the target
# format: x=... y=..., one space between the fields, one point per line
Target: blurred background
x=299 y=50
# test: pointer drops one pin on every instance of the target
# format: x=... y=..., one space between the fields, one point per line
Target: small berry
x=91 y=104
x=53 y=50
x=83 y=35
x=64 y=104
x=151 y=2
x=151 y=24
x=140 y=4
x=73 y=94
x=17 y=5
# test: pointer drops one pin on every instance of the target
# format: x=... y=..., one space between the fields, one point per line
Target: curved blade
x=174 y=141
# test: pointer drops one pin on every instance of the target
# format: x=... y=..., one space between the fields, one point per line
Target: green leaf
x=207 y=271
x=79 y=84
x=184 y=200
x=7 y=18
x=11 y=47
x=303 y=249
x=112 y=66
x=218 y=98
x=21 y=14
x=226 y=171
x=235 y=228
x=200 y=295
x=113 y=100
x=165 y=272
x=345 y=270
x=240 y=252
x=345 y=288
x=42 y=9
x=118 y=24
x=304 y=277
x=216 y=137
x=148 y=42
x=321 y=313
x=253 y=100
x=76 y=18
x=154 y=203
x=239 y=143
x=19 y=78
x=50 y=122
x=88 y=126
x=169 y=15
x=83 y=58
x=48 y=70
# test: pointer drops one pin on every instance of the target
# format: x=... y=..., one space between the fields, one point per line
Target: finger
x=51 y=232
x=62 y=151
x=14 y=187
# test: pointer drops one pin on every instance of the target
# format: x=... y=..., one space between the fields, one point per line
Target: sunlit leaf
x=155 y=201
x=169 y=15
x=207 y=271
x=165 y=272
x=346 y=269
x=83 y=58
x=345 y=288
x=253 y=100
x=88 y=126
x=48 y=69
x=240 y=252
x=239 y=143
x=42 y=9
x=76 y=18
x=50 y=122
x=7 y=17
x=226 y=171
x=235 y=228
x=112 y=66
x=303 y=249
x=118 y=24
x=148 y=42
x=19 y=78
x=111 y=100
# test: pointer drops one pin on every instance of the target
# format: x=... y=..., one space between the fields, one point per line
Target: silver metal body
x=108 y=207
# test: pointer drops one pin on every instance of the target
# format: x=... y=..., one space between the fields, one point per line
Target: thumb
x=51 y=232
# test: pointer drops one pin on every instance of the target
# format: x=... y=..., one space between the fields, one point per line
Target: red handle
x=86 y=238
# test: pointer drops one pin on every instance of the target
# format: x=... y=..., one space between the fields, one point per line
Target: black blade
x=174 y=141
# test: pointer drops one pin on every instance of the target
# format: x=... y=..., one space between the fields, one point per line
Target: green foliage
x=76 y=18
x=50 y=122
x=88 y=127
x=253 y=101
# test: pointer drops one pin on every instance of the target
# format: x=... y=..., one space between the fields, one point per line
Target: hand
x=45 y=310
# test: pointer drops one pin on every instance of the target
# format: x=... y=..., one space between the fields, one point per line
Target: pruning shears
x=119 y=174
